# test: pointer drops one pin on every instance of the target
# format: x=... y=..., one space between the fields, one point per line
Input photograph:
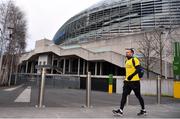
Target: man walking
x=131 y=82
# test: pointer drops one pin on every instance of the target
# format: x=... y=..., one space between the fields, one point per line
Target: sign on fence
x=176 y=62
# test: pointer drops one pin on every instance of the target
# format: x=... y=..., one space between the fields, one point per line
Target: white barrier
x=148 y=86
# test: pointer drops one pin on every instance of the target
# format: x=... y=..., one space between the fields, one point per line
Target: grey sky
x=46 y=16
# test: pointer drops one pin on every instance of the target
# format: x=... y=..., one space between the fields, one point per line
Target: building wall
x=119 y=45
x=111 y=50
x=116 y=44
x=149 y=86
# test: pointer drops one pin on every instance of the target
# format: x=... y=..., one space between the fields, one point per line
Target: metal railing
x=41 y=77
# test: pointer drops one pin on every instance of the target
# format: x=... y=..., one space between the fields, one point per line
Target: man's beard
x=129 y=57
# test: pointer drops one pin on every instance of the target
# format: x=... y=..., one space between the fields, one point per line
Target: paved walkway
x=154 y=111
x=19 y=102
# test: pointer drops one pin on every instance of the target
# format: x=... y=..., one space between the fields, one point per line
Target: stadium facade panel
x=110 y=18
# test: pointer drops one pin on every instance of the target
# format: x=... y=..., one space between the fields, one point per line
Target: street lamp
x=10 y=36
x=2 y=42
x=164 y=30
x=2 y=48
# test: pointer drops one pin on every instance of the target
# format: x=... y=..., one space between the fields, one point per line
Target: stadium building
x=95 y=39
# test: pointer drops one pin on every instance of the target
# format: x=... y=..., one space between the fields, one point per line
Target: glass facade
x=113 y=18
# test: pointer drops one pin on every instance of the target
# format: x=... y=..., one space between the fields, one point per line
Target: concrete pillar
x=79 y=66
x=26 y=71
x=84 y=67
x=20 y=68
x=87 y=66
x=32 y=67
x=57 y=63
x=69 y=69
x=64 y=66
x=96 y=68
x=100 y=68
x=52 y=63
x=88 y=90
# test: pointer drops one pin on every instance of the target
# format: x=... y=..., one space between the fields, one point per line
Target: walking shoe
x=142 y=112
x=118 y=112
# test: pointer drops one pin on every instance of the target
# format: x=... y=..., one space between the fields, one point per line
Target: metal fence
x=158 y=86
x=52 y=80
x=64 y=81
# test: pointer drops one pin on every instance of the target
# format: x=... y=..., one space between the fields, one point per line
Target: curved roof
x=118 y=17
x=104 y=3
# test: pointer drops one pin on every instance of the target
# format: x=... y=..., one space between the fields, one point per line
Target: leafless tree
x=146 y=49
x=162 y=44
x=156 y=46
x=13 y=40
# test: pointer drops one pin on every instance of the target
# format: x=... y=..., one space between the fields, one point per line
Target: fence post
x=127 y=100
x=110 y=84
x=159 y=90
x=41 y=89
x=88 y=90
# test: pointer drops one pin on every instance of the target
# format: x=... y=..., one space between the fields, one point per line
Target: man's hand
x=130 y=77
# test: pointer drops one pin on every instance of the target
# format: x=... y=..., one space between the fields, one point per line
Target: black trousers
x=127 y=88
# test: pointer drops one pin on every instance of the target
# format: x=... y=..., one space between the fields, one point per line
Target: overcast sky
x=45 y=17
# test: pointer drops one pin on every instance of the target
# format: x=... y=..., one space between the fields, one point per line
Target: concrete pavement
x=68 y=103
x=154 y=111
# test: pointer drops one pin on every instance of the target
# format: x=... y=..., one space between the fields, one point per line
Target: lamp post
x=11 y=38
x=2 y=42
x=164 y=33
x=162 y=29
x=165 y=60
x=160 y=56
x=161 y=48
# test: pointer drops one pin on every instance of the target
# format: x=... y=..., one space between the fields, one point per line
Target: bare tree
x=157 y=46
x=14 y=39
x=161 y=42
x=175 y=35
x=146 y=49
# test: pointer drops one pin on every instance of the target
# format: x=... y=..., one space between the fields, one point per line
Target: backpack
x=141 y=72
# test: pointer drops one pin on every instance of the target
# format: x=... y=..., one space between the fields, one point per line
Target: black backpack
x=141 y=72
